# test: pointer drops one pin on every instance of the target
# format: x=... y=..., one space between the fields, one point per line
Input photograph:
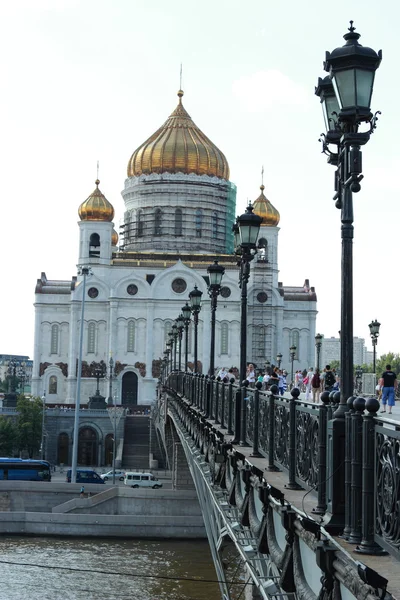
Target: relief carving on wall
x=141 y=367
x=156 y=368
x=63 y=367
x=119 y=366
x=43 y=367
x=90 y=370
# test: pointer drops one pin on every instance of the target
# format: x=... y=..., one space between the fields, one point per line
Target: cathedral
x=179 y=209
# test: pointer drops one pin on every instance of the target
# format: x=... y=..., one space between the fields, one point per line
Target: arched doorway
x=63 y=447
x=87 y=447
x=108 y=449
x=129 y=388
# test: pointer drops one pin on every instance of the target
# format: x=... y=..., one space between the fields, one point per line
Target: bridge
x=311 y=505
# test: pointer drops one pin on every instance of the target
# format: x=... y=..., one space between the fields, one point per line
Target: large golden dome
x=264 y=209
x=96 y=207
x=178 y=147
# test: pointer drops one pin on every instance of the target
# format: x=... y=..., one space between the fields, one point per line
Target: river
x=34 y=568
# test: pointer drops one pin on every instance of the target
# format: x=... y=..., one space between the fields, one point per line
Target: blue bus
x=18 y=469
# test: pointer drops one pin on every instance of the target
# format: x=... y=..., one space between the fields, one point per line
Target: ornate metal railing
x=387 y=478
x=295 y=436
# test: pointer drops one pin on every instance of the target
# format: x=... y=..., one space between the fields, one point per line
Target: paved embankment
x=57 y=509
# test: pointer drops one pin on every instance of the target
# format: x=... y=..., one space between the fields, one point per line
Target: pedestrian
x=266 y=381
x=307 y=382
x=222 y=373
x=260 y=377
x=82 y=492
x=282 y=383
x=328 y=379
x=274 y=379
x=316 y=386
x=251 y=375
x=389 y=380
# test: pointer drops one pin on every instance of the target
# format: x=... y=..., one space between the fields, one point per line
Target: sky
x=89 y=80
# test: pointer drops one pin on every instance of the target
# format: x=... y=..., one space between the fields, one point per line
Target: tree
x=335 y=365
x=29 y=424
x=8 y=436
x=391 y=359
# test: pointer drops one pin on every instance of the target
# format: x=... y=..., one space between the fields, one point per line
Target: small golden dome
x=178 y=147
x=96 y=207
x=264 y=209
x=114 y=238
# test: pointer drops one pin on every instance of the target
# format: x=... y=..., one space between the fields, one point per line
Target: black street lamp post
x=279 y=359
x=292 y=351
x=374 y=333
x=99 y=373
x=175 y=341
x=246 y=230
x=195 y=303
x=110 y=379
x=186 y=312
x=180 y=325
x=346 y=98
x=216 y=272
x=318 y=344
x=170 y=343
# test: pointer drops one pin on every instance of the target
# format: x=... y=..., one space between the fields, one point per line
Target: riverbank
x=38 y=508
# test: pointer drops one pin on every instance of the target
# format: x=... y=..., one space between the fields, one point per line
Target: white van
x=136 y=480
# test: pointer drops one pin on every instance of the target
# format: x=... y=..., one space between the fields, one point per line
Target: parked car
x=118 y=475
x=136 y=479
x=85 y=476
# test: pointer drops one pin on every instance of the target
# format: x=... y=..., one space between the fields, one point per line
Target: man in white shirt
x=309 y=377
x=222 y=373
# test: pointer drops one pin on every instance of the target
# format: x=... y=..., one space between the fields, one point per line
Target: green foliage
x=391 y=359
x=8 y=436
x=334 y=365
x=29 y=424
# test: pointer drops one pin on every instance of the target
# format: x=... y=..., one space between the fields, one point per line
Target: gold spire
x=96 y=207
x=179 y=146
x=264 y=209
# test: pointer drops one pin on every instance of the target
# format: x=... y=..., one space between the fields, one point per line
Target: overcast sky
x=88 y=80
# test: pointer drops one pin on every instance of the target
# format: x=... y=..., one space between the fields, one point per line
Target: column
x=36 y=391
x=149 y=338
x=112 y=328
x=72 y=352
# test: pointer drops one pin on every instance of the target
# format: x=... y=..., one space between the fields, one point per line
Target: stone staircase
x=135 y=454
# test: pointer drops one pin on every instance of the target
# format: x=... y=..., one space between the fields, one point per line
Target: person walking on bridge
x=389 y=383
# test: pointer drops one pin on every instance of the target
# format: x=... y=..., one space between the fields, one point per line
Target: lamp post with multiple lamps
x=318 y=344
x=85 y=272
x=175 y=341
x=292 y=351
x=186 y=312
x=10 y=399
x=246 y=230
x=215 y=272
x=180 y=326
x=195 y=303
x=279 y=359
x=374 y=333
x=110 y=379
x=345 y=96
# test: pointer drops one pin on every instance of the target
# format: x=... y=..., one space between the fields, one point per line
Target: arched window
x=167 y=329
x=95 y=240
x=178 y=221
x=295 y=341
x=198 y=222
x=140 y=223
x=54 y=339
x=130 y=347
x=224 y=338
x=262 y=255
x=94 y=245
x=53 y=385
x=157 y=222
x=91 y=340
x=215 y=224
